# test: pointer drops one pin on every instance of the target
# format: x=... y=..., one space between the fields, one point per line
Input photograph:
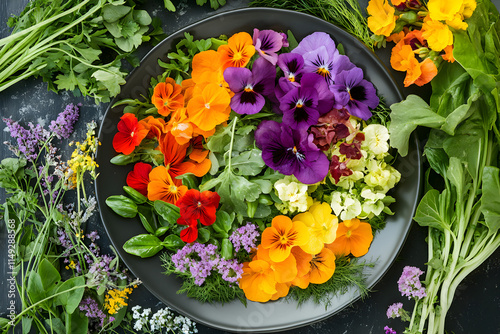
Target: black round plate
x=256 y=317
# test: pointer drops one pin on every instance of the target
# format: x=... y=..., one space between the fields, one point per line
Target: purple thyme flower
x=92 y=311
x=394 y=310
x=354 y=93
x=267 y=43
x=198 y=258
x=28 y=140
x=230 y=270
x=250 y=87
x=291 y=152
x=62 y=127
x=389 y=330
x=245 y=237
x=409 y=283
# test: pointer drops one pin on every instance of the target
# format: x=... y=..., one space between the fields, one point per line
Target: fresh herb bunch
x=346 y=14
x=75 y=45
x=463 y=216
x=214 y=4
x=62 y=279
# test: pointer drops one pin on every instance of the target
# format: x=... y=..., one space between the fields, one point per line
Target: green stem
x=231 y=143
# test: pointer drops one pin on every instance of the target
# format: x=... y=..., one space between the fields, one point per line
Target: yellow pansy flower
x=437 y=34
x=442 y=10
x=381 y=20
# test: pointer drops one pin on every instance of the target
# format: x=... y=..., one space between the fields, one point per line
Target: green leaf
x=142 y=17
x=119 y=316
x=48 y=274
x=146 y=217
x=56 y=325
x=129 y=29
x=248 y=163
x=134 y=195
x=226 y=249
x=76 y=323
x=122 y=160
x=161 y=231
x=173 y=242
x=66 y=81
x=169 y=5
x=455 y=174
x=143 y=245
x=112 y=78
x=428 y=211
x=405 y=118
x=112 y=13
x=71 y=293
x=223 y=222
x=168 y=211
x=203 y=235
x=490 y=200
x=26 y=324
x=122 y=205
x=35 y=288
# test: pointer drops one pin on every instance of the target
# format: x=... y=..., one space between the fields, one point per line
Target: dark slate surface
x=477 y=300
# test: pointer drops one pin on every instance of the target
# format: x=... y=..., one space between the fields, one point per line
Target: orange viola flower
x=180 y=127
x=402 y=57
x=257 y=281
x=282 y=236
x=175 y=156
x=238 y=50
x=209 y=106
x=322 y=266
x=303 y=260
x=155 y=126
x=353 y=237
x=130 y=134
x=284 y=271
x=162 y=187
x=428 y=71
x=198 y=152
x=167 y=97
x=187 y=89
x=207 y=67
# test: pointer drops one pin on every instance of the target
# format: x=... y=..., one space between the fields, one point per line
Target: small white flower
x=368 y=193
x=352 y=208
x=376 y=138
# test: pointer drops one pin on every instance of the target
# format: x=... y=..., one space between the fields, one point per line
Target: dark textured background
x=477 y=300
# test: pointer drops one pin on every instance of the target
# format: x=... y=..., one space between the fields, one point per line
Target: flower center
x=207 y=105
x=237 y=56
x=323 y=71
x=283 y=239
x=291 y=77
x=198 y=204
x=132 y=134
x=248 y=88
x=299 y=104
x=173 y=189
x=348 y=233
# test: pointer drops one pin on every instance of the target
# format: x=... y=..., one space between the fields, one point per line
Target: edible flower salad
x=261 y=167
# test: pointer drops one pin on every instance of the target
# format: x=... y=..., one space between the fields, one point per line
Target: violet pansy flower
x=250 y=87
x=292 y=65
x=354 y=93
x=291 y=152
x=303 y=105
x=267 y=43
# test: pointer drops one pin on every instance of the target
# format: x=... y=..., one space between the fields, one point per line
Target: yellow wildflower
x=442 y=10
x=116 y=299
x=437 y=34
x=468 y=8
x=381 y=20
x=71 y=265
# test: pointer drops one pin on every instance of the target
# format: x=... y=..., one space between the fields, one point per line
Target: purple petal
x=264 y=75
x=292 y=65
x=284 y=86
x=247 y=102
x=358 y=109
x=237 y=78
x=325 y=96
x=299 y=107
x=267 y=43
x=314 y=41
x=350 y=78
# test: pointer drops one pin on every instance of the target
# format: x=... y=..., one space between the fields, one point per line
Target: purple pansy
x=303 y=105
x=267 y=43
x=292 y=65
x=322 y=57
x=291 y=152
x=250 y=87
x=354 y=93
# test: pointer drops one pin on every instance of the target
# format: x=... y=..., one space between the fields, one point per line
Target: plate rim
x=398 y=91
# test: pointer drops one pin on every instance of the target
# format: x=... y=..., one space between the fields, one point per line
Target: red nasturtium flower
x=196 y=205
x=139 y=177
x=130 y=134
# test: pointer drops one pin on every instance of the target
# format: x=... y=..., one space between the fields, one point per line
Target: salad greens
x=463 y=217
x=75 y=45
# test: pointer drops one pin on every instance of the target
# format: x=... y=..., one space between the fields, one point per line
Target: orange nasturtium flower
x=130 y=134
x=238 y=50
x=180 y=127
x=155 y=126
x=167 y=97
x=442 y=10
x=322 y=225
x=282 y=236
x=428 y=71
x=257 y=281
x=209 y=106
x=162 y=187
x=448 y=54
x=381 y=19
x=353 y=237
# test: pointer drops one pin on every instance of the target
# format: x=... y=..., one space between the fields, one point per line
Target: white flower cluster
x=293 y=194
x=363 y=193
x=162 y=321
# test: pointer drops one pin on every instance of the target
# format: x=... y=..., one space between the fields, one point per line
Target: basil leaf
x=122 y=205
x=143 y=245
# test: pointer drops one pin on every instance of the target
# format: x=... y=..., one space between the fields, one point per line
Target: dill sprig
x=344 y=13
x=348 y=273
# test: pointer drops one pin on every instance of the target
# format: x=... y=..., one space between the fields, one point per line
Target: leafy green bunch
x=75 y=45
x=462 y=213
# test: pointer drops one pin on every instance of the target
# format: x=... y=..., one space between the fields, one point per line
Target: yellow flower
x=116 y=299
x=457 y=23
x=437 y=34
x=381 y=20
x=282 y=236
x=71 y=265
x=468 y=8
x=322 y=225
x=442 y=10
